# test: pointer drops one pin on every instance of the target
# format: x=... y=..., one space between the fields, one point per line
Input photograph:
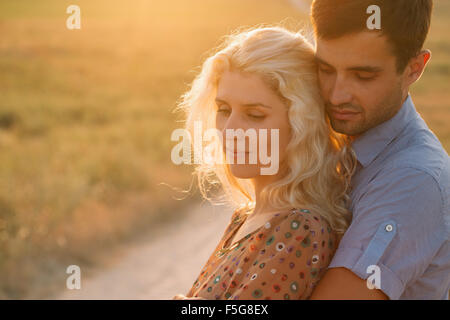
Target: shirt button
x=389 y=228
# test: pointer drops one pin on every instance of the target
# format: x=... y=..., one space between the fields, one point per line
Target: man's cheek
x=377 y=87
x=367 y=95
x=325 y=86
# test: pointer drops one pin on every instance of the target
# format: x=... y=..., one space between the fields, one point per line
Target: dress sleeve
x=295 y=256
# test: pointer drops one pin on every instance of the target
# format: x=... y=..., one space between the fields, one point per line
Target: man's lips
x=343 y=111
x=343 y=114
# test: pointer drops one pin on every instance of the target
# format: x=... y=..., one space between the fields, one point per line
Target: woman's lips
x=343 y=115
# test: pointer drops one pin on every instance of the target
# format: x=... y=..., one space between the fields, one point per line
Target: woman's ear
x=417 y=65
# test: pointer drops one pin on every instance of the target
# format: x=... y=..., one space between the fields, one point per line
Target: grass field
x=86 y=117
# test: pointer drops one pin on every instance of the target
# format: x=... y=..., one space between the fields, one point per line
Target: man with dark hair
x=398 y=240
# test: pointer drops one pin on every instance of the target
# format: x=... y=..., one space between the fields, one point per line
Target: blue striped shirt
x=401 y=209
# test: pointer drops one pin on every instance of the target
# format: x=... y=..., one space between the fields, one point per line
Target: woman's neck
x=259 y=184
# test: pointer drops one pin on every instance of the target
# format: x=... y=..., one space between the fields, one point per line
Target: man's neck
x=353 y=138
x=404 y=97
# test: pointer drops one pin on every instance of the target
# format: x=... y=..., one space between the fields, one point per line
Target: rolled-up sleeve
x=397 y=226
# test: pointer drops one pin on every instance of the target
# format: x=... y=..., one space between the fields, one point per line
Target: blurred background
x=86 y=118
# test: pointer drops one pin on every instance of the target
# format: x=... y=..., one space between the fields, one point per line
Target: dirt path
x=160 y=265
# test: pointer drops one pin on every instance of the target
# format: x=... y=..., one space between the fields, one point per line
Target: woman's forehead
x=246 y=89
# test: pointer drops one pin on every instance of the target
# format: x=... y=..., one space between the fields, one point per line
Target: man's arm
x=342 y=284
x=397 y=226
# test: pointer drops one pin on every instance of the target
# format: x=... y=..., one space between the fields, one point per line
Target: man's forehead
x=361 y=48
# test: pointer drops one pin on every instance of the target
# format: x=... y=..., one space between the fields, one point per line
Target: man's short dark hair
x=405 y=23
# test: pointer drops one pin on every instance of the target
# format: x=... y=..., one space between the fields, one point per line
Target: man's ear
x=416 y=66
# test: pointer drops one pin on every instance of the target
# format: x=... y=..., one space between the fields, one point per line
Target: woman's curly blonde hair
x=320 y=161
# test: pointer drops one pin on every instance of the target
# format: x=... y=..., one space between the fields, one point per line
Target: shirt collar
x=369 y=145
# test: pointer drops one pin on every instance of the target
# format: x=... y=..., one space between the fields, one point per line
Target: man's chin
x=345 y=127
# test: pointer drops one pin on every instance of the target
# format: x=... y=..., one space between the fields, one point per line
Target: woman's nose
x=234 y=122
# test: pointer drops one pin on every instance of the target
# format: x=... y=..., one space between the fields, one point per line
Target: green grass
x=86 y=117
x=85 y=122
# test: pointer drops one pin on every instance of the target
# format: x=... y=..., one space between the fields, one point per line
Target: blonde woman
x=287 y=224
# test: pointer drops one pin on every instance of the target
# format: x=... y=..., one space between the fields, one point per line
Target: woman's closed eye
x=254 y=115
x=223 y=110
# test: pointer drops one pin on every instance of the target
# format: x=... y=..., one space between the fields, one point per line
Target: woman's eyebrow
x=247 y=105
x=256 y=104
x=221 y=100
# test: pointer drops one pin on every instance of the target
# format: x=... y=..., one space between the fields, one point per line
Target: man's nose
x=340 y=93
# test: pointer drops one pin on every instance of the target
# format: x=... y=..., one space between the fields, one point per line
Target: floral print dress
x=282 y=259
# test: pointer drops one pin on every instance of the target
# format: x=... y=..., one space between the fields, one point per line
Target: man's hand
x=342 y=284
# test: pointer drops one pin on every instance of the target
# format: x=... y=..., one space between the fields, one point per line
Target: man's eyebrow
x=366 y=69
x=248 y=105
x=355 y=68
x=318 y=60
